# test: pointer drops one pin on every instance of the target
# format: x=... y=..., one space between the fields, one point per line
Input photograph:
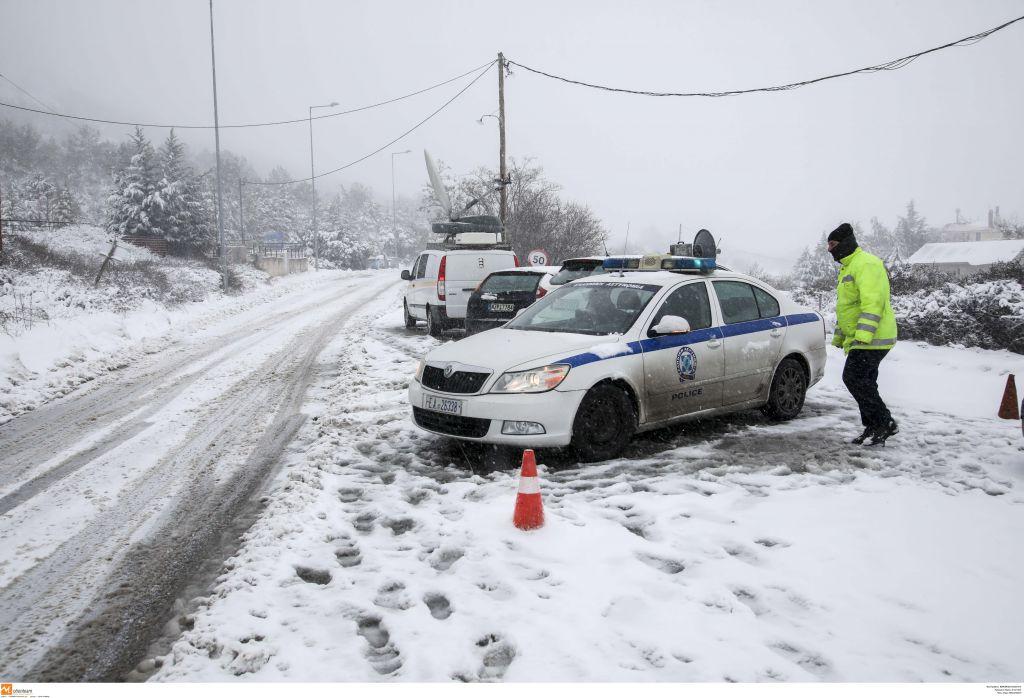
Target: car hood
x=503 y=350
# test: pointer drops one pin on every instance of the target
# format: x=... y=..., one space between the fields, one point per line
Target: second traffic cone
x=1008 y=408
x=529 y=513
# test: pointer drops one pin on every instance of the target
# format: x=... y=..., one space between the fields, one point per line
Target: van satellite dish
x=440 y=193
x=704 y=245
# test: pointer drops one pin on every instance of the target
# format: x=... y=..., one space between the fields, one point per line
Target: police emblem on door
x=686 y=364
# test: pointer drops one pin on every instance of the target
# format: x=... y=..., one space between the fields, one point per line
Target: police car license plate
x=502 y=307
x=442 y=404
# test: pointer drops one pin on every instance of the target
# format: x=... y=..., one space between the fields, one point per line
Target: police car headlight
x=536 y=380
x=419 y=370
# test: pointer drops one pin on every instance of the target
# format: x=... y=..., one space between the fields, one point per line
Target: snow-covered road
x=731 y=550
x=114 y=497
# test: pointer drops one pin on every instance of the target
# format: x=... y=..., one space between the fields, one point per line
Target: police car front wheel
x=604 y=424
x=789 y=386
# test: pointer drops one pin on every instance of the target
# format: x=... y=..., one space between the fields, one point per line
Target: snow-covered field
x=732 y=550
x=65 y=332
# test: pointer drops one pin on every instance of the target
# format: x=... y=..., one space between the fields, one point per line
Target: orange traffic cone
x=529 y=512
x=1008 y=408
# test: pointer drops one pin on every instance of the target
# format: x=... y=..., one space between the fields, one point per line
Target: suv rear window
x=577 y=269
x=510 y=282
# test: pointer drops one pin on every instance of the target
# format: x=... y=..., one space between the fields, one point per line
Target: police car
x=654 y=341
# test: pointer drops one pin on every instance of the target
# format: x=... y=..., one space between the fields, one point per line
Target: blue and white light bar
x=661 y=262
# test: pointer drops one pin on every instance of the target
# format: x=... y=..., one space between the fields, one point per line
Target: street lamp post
x=312 y=181
x=394 y=210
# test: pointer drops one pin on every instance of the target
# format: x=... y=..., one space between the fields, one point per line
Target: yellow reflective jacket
x=864 y=317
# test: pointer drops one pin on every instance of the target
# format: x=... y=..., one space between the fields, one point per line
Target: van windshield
x=587 y=308
x=577 y=269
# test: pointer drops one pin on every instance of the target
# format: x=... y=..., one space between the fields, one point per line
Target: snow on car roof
x=528 y=270
x=659 y=278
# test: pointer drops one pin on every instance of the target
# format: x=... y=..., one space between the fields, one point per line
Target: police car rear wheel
x=604 y=423
x=410 y=321
x=786 y=397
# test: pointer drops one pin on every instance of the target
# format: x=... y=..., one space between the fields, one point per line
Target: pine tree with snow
x=65 y=208
x=815 y=270
x=184 y=221
x=135 y=206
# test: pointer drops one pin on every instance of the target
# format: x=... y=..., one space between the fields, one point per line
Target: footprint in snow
x=311 y=575
x=348 y=495
x=661 y=564
x=393 y=595
x=498 y=654
x=348 y=554
x=399 y=526
x=439 y=605
x=364 y=522
x=382 y=654
x=443 y=559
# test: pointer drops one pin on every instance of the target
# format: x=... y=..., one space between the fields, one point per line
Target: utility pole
x=220 y=192
x=502 y=171
x=312 y=182
x=394 y=210
x=241 y=213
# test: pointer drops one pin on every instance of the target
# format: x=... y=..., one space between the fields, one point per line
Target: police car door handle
x=776 y=332
x=714 y=344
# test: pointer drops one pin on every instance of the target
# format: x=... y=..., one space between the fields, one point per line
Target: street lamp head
x=333 y=104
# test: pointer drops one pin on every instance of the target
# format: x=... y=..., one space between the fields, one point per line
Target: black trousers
x=861 y=378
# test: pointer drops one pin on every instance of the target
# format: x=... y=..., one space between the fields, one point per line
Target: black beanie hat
x=844 y=231
x=846 y=242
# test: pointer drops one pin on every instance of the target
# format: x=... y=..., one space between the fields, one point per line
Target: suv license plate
x=502 y=307
x=442 y=404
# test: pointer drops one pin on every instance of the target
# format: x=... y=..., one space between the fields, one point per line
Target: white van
x=441 y=282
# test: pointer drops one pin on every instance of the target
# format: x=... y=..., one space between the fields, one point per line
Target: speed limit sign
x=537 y=258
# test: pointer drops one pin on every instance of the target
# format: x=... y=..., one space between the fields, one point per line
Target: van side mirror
x=670 y=324
x=406 y=275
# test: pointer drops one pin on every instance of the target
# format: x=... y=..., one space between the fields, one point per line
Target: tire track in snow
x=161 y=531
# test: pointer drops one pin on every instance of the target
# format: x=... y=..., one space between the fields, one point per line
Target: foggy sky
x=768 y=172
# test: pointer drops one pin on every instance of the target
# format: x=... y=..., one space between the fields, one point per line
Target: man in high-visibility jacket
x=865 y=330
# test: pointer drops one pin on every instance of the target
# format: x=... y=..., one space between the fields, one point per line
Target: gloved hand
x=837 y=341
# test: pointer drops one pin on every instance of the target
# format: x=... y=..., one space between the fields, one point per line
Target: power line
x=895 y=64
x=49 y=111
x=389 y=143
x=31 y=96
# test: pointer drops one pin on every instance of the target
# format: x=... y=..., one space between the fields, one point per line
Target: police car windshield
x=576 y=269
x=608 y=307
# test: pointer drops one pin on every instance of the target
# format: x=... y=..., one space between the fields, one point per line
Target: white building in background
x=962 y=231
x=965 y=258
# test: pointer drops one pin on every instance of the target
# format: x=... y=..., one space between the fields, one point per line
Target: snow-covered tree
x=184 y=219
x=135 y=204
x=815 y=270
x=65 y=208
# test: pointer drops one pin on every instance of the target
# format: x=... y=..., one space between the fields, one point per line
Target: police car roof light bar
x=701 y=265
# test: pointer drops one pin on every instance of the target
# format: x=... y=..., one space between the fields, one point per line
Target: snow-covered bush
x=989 y=315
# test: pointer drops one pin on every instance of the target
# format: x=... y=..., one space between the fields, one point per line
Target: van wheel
x=410 y=321
x=604 y=424
x=433 y=322
x=789 y=386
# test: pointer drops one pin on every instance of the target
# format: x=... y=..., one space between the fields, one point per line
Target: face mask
x=845 y=248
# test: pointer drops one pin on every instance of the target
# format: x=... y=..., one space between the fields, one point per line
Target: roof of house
x=973 y=253
x=966 y=227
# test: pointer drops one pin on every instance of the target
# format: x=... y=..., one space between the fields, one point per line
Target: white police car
x=655 y=341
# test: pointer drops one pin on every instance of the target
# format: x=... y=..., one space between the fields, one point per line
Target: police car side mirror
x=406 y=276
x=670 y=324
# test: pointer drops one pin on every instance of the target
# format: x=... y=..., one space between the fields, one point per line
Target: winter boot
x=883 y=433
x=868 y=431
